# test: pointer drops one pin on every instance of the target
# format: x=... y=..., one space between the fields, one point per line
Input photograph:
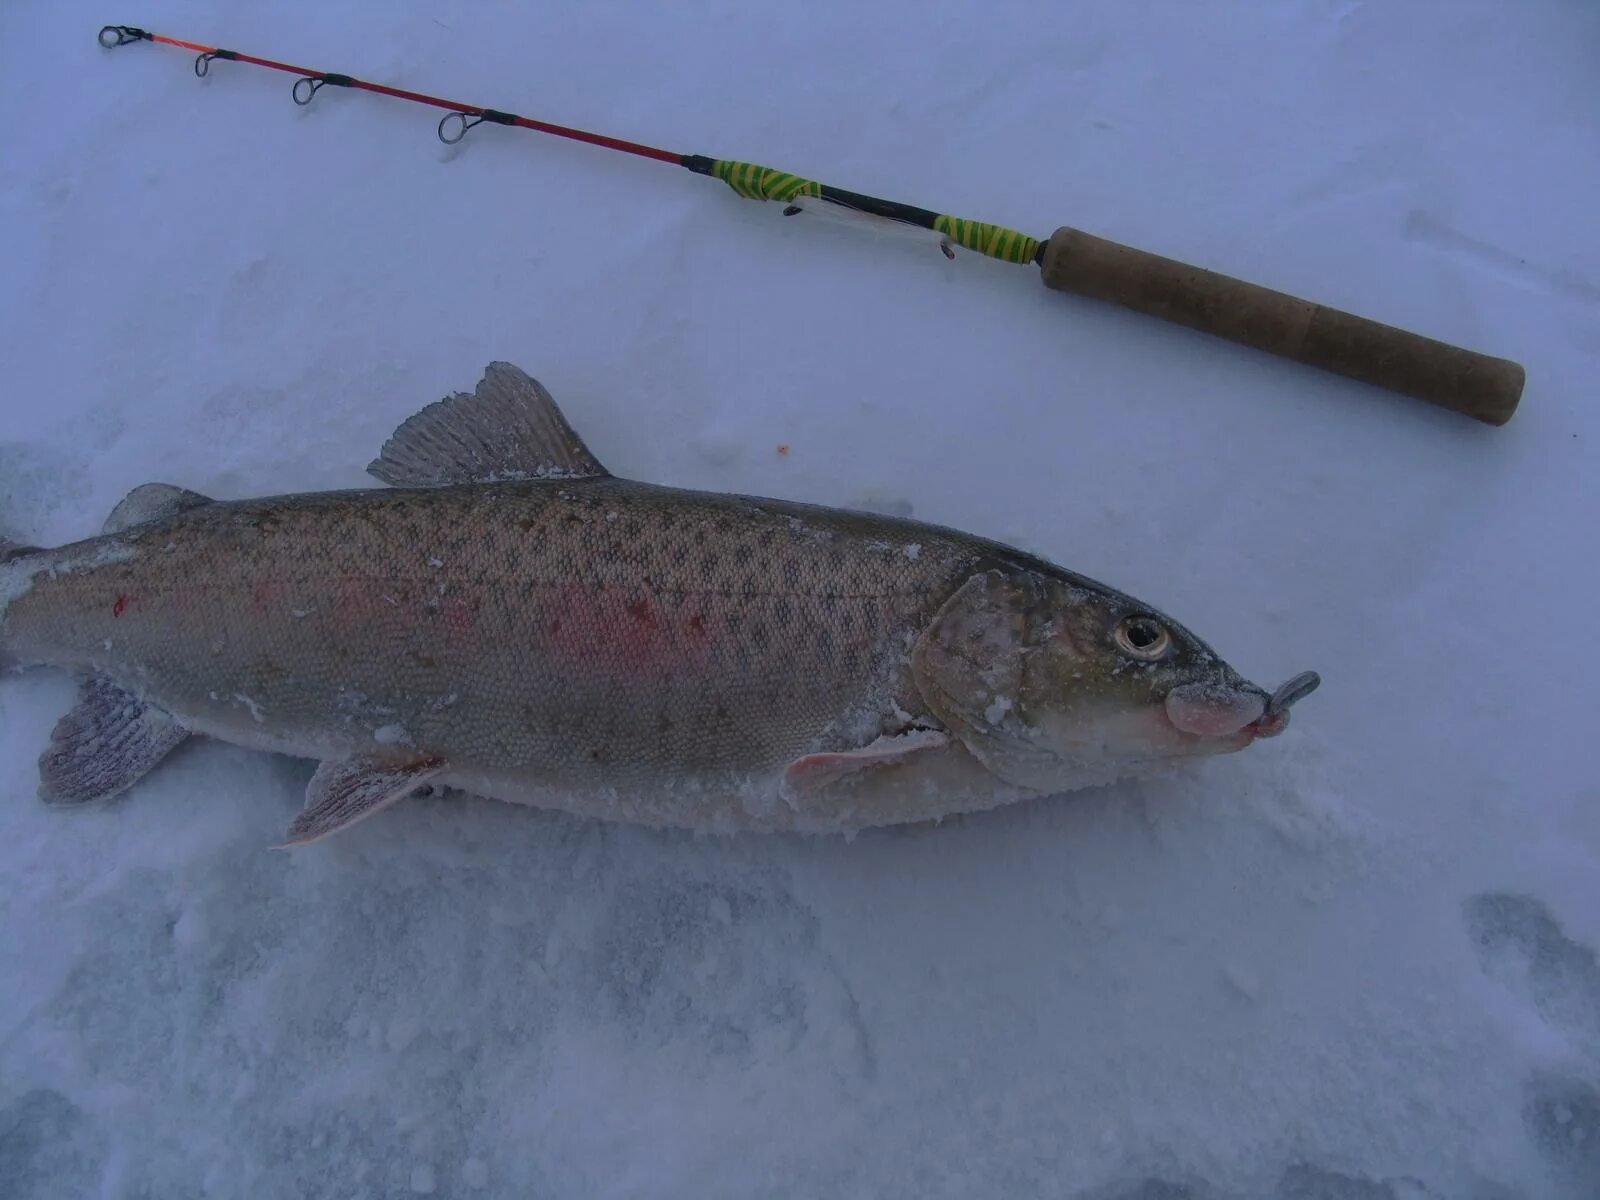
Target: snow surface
x=1355 y=962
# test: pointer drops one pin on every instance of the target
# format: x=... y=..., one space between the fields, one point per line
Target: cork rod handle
x=1476 y=385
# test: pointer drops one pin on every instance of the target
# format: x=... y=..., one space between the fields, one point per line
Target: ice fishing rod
x=1477 y=385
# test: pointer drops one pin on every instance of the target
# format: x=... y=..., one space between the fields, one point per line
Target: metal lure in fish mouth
x=1276 y=718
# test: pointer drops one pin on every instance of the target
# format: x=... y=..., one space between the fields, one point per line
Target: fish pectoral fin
x=806 y=776
x=105 y=745
x=508 y=428
x=151 y=502
x=342 y=793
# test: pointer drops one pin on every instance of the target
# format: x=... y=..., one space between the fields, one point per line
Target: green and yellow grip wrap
x=994 y=240
x=755 y=182
x=1476 y=385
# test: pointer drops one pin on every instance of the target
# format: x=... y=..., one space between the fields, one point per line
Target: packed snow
x=1357 y=962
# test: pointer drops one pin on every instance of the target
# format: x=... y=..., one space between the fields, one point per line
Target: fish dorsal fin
x=507 y=428
x=151 y=502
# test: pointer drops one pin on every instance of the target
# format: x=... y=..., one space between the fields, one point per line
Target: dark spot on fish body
x=640 y=611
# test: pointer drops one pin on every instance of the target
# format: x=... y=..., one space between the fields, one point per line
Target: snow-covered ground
x=1355 y=962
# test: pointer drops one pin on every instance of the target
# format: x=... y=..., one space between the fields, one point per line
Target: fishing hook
x=1292 y=691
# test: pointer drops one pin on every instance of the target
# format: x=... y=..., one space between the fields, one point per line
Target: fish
x=506 y=618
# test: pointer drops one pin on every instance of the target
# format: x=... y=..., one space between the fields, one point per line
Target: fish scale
x=707 y=632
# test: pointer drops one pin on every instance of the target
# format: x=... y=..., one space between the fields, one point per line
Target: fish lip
x=1215 y=709
x=1185 y=742
x=1269 y=724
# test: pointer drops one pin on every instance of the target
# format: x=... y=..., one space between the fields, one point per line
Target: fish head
x=1054 y=682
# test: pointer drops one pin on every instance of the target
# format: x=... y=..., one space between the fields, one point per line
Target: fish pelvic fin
x=106 y=744
x=342 y=793
x=508 y=428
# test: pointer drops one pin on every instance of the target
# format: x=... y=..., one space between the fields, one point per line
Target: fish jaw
x=1148 y=737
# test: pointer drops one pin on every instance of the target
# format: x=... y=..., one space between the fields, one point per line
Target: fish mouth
x=1229 y=716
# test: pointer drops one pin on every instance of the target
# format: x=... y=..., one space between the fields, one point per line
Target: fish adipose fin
x=805 y=777
x=105 y=745
x=151 y=502
x=342 y=793
x=10 y=549
x=509 y=428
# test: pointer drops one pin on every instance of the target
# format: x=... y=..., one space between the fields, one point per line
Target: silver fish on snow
x=509 y=619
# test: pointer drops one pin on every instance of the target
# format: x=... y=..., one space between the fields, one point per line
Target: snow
x=1355 y=961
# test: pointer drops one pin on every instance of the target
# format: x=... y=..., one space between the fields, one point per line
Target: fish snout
x=1219 y=709
x=1215 y=709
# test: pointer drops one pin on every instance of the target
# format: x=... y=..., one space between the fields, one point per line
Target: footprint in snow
x=1522 y=945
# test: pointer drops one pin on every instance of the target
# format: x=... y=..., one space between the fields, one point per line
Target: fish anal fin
x=508 y=428
x=151 y=502
x=105 y=745
x=342 y=793
x=806 y=776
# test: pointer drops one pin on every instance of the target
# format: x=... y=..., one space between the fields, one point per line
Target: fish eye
x=1143 y=637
